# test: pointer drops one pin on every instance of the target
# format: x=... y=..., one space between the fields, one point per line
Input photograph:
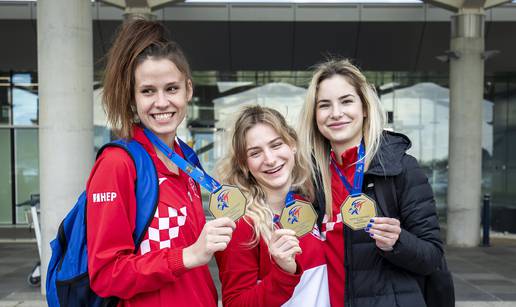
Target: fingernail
x=369 y=225
x=367 y=229
x=372 y=221
x=371 y=234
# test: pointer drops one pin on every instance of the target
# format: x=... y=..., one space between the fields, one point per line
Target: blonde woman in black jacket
x=382 y=262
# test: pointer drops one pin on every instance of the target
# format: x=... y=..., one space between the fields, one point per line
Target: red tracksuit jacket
x=250 y=277
x=155 y=275
x=333 y=231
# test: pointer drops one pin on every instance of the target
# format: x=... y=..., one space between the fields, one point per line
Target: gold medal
x=357 y=211
x=228 y=201
x=300 y=217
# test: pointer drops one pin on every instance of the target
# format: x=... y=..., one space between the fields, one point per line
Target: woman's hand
x=214 y=237
x=385 y=231
x=283 y=248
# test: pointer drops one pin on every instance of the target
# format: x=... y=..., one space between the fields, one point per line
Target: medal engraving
x=357 y=211
x=300 y=217
x=228 y=201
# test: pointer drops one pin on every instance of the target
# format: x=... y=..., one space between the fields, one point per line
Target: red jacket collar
x=348 y=157
x=140 y=137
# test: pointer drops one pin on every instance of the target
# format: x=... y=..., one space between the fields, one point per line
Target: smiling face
x=161 y=94
x=269 y=159
x=339 y=113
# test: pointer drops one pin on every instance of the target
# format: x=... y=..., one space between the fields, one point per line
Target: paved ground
x=484 y=277
x=485 y=273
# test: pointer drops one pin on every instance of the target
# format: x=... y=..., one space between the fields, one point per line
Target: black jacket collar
x=387 y=161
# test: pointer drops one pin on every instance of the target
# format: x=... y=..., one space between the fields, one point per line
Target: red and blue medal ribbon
x=356 y=189
x=190 y=166
x=289 y=201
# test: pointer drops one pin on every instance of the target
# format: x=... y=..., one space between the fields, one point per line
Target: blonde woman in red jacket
x=264 y=265
x=148 y=86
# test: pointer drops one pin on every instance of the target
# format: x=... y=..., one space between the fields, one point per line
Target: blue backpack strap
x=146 y=186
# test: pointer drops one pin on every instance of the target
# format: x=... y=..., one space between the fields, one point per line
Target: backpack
x=437 y=287
x=68 y=281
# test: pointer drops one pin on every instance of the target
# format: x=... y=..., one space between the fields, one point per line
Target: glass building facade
x=416 y=104
x=19 y=169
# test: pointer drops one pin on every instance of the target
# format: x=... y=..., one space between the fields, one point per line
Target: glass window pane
x=5 y=107
x=5 y=177
x=101 y=131
x=500 y=111
x=421 y=111
x=27 y=167
x=511 y=112
x=25 y=101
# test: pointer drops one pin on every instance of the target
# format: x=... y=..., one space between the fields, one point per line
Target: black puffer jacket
x=377 y=278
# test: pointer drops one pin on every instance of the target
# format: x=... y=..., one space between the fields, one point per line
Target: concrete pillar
x=465 y=141
x=132 y=13
x=65 y=75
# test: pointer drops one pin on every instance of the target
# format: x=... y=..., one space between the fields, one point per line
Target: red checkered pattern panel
x=328 y=226
x=163 y=229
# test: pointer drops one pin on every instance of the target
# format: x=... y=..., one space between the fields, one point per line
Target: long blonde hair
x=314 y=145
x=233 y=167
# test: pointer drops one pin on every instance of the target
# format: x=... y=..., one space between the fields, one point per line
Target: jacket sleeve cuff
x=403 y=252
x=397 y=248
x=175 y=262
x=282 y=277
x=410 y=255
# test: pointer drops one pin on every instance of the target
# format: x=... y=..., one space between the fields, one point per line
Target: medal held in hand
x=228 y=201
x=358 y=209
x=298 y=215
x=225 y=200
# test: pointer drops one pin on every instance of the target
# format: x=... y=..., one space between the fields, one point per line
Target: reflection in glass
x=421 y=111
x=5 y=177
x=27 y=167
x=25 y=107
x=502 y=166
x=5 y=106
x=101 y=129
x=286 y=98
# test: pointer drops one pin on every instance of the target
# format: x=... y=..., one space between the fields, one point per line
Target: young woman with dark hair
x=147 y=87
